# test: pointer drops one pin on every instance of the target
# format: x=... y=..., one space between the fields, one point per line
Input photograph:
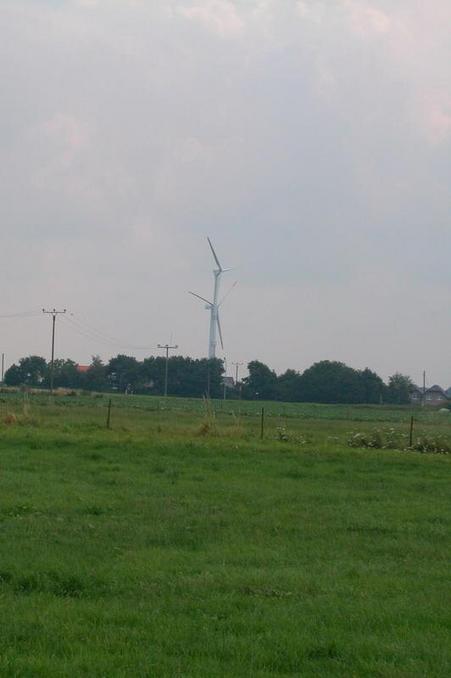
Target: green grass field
x=180 y=544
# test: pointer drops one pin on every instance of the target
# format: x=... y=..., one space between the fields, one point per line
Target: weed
x=392 y=439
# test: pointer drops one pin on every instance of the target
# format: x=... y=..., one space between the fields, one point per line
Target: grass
x=159 y=548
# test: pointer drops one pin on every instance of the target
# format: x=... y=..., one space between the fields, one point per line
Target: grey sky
x=309 y=139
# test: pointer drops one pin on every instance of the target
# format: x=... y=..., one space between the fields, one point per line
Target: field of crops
x=177 y=542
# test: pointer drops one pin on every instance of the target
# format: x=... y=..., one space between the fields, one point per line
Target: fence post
x=262 y=424
x=108 y=416
x=411 y=432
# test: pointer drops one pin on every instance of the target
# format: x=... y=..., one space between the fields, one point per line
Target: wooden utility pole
x=167 y=348
x=237 y=367
x=53 y=313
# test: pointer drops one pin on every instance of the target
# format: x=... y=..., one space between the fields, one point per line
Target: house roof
x=437 y=389
x=82 y=368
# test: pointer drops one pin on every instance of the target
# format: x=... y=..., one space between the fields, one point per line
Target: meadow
x=177 y=542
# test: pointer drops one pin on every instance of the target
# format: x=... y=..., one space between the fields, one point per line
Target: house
x=416 y=395
x=82 y=369
x=434 y=396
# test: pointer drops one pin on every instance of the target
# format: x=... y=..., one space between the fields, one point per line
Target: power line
x=21 y=314
x=91 y=332
x=78 y=329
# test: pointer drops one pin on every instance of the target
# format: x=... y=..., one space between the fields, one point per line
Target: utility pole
x=237 y=367
x=224 y=379
x=167 y=348
x=3 y=366
x=53 y=313
x=424 y=389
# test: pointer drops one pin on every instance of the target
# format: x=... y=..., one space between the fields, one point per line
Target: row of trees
x=186 y=376
x=324 y=382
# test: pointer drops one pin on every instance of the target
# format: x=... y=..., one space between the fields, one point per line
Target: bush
x=390 y=439
x=372 y=439
x=433 y=444
x=284 y=436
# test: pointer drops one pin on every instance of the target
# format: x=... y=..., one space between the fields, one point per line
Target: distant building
x=436 y=396
x=82 y=368
x=416 y=395
x=433 y=396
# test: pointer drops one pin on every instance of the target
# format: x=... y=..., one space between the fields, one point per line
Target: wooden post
x=411 y=432
x=108 y=416
x=262 y=424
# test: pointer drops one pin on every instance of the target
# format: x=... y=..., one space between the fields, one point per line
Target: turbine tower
x=213 y=306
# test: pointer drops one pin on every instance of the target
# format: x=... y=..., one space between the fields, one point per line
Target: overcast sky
x=309 y=139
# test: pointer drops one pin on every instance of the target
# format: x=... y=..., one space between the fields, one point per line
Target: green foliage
x=324 y=382
x=148 y=550
x=399 y=388
x=30 y=371
x=261 y=384
x=65 y=374
x=124 y=373
x=374 y=389
x=380 y=438
x=435 y=444
x=332 y=382
x=95 y=379
x=289 y=386
x=392 y=439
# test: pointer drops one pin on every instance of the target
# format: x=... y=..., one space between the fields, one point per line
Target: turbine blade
x=220 y=331
x=214 y=254
x=227 y=293
x=201 y=298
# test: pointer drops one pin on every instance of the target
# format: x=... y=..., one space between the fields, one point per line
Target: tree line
x=324 y=382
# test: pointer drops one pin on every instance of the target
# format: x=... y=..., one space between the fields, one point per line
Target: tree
x=95 y=378
x=373 y=386
x=30 y=371
x=331 y=382
x=289 y=386
x=261 y=384
x=13 y=376
x=186 y=376
x=399 y=388
x=123 y=372
x=65 y=374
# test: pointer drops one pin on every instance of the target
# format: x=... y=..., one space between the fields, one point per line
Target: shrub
x=390 y=439
x=435 y=444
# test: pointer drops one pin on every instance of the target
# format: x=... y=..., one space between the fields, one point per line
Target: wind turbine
x=213 y=306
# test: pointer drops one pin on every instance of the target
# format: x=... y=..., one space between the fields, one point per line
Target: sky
x=309 y=139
